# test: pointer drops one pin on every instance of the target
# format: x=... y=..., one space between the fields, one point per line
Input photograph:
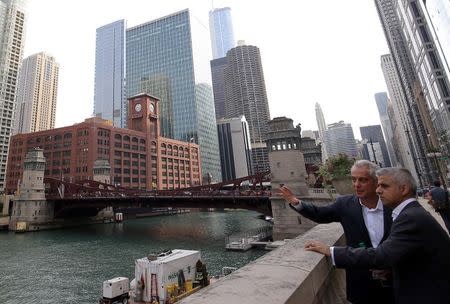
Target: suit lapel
x=387 y=214
x=358 y=215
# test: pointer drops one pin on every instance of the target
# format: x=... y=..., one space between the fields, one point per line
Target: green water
x=69 y=265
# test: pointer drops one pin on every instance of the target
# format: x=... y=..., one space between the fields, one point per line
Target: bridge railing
x=62 y=189
x=321 y=192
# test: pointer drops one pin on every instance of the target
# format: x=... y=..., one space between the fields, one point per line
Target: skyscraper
x=209 y=138
x=399 y=118
x=245 y=93
x=221 y=31
x=428 y=62
x=396 y=38
x=12 y=34
x=373 y=134
x=339 y=138
x=218 y=74
x=110 y=101
x=438 y=12
x=382 y=104
x=322 y=126
x=159 y=62
x=235 y=149
x=36 y=94
x=222 y=40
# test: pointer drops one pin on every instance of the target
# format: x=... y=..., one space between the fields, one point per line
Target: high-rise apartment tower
x=245 y=93
x=36 y=94
x=12 y=36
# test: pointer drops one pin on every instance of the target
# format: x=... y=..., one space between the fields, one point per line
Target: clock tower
x=143 y=115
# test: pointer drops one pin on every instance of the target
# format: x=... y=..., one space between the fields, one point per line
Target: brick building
x=138 y=156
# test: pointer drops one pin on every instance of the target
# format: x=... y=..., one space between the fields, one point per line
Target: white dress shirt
x=374 y=220
x=400 y=207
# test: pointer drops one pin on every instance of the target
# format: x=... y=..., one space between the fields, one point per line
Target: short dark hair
x=437 y=183
x=401 y=176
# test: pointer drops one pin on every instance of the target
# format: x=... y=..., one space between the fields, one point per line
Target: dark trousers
x=379 y=295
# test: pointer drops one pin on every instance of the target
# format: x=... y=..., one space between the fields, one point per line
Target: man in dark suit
x=439 y=200
x=366 y=224
x=417 y=249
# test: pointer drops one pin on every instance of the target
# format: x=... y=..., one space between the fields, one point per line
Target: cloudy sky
x=324 y=51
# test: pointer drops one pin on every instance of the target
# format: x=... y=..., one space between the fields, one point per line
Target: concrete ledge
x=288 y=274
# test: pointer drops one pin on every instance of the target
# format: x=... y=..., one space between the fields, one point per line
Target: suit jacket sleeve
x=322 y=214
x=405 y=238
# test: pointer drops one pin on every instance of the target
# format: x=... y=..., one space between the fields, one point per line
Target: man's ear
x=405 y=189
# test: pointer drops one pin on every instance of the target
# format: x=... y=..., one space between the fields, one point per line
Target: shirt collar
x=379 y=206
x=400 y=207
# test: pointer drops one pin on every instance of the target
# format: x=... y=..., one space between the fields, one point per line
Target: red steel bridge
x=87 y=197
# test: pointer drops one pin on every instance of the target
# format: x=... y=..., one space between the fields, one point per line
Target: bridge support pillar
x=288 y=224
x=5 y=200
x=30 y=208
x=287 y=166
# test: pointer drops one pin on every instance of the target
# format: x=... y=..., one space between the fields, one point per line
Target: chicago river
x=70 y=265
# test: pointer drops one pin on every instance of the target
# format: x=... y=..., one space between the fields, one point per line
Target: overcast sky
x=323 y=51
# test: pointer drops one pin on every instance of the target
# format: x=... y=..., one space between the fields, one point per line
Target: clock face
x=138 y=107
x=152 y=107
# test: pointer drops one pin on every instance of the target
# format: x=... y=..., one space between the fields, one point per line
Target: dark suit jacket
x=347 y=210
x=417 y=249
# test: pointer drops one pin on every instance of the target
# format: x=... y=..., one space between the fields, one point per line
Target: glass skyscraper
x=12 y=32
x=207 y=124
x=159 y=62
x=109 y=97
x=221 y=31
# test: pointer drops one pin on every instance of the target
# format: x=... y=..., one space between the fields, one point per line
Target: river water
x=69 y=265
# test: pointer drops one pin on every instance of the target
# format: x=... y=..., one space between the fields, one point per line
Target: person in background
x=366 y=224
x=417 y=249
x=438 y=198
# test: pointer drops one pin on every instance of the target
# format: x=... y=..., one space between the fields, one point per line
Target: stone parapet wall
x=288 y=274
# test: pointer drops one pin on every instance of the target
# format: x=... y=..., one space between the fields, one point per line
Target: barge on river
x=163 y=279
